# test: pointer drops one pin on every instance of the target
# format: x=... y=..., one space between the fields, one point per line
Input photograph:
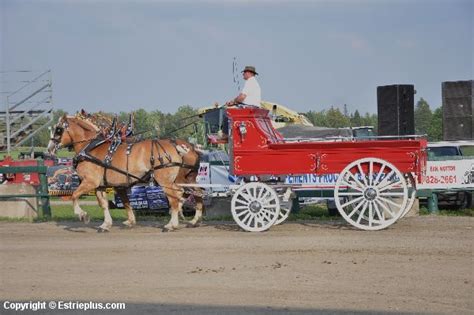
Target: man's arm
x=239 y=99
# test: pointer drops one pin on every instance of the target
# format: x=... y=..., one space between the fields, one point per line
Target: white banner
x=328 y=180
x=203 y=173
x=449 y=174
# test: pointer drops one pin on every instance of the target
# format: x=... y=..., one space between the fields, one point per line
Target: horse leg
x=104 y=204
x=83 y=188
x=130 y=222
x=199 y=207
x=175 y=199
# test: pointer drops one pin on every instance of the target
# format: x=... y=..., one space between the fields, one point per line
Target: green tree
x=336 y=119
x=41 y=138
x=143 y=123
x=181 y=124
x=317 y=118
x=423 y=117
x=435 y=130
x=370 y=120
x=356 y=119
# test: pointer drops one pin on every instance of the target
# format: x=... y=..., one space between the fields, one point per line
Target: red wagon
x=375 y=186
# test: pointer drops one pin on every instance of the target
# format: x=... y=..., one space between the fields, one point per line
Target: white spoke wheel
x=371 y=194
x=285 y=209
x=411 y=184
x=255 y=207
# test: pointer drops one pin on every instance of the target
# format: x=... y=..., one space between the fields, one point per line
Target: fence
x=41 y=195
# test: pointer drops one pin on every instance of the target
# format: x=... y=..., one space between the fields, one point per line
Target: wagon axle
x=370 y=194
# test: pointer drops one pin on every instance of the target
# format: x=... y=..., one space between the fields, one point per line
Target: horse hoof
x=103 y=229
x=85 y=218
x=192 y=225
x=168 y=228
x=128 y=224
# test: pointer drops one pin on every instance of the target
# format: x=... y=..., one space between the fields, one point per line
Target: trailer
x=376 y=182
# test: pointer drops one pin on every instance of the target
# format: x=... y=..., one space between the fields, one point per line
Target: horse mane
x=85 y=124
x=100 y=120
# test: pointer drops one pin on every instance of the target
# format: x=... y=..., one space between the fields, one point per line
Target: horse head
x=70 y=130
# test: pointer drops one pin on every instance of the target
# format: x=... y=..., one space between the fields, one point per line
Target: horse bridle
x=58 y=134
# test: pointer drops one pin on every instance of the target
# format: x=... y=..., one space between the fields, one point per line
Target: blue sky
x=124 y=55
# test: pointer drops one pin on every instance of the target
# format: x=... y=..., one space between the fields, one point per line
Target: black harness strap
x=170 y=164
x=84 y=155
x=95 y=160
x=152 y=162
x=164 y=152
x=127 y=153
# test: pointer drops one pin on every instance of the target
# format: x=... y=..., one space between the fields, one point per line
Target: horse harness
x=115 y=138
x=165 y=159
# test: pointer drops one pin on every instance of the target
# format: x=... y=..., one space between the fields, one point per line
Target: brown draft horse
x=143 y=161
x=190 y=156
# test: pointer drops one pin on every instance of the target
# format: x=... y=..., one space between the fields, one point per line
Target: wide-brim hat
x=250 y=69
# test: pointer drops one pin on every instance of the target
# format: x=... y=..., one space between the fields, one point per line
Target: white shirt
x=252 y=91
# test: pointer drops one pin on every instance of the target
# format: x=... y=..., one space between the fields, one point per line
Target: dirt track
x=422 y=264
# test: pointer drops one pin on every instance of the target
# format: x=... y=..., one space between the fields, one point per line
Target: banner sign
x=203 y=173
x=145 y=197
x=449 y=174
x=313 y=179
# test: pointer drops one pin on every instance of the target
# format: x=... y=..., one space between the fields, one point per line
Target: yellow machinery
x=281 y=115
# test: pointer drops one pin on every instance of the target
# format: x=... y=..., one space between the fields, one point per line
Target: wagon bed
x=261 y=150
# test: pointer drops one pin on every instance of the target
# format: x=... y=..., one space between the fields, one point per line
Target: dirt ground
x=420 y=265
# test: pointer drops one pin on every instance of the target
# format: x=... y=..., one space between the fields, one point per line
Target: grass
x=312 y=212
x=449 y=212
x=8 y=219
x=82 y=198
x=66 y=213
x=63 y=153
x=306 y=213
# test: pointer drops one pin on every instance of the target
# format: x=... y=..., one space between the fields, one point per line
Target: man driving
x=251 y=95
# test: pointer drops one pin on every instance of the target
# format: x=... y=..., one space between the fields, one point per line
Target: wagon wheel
x=411 y=184
x=255 y=207
x=285 y=209
x=371 y=194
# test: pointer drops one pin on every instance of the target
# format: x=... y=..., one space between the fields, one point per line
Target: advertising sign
x=449 y=174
